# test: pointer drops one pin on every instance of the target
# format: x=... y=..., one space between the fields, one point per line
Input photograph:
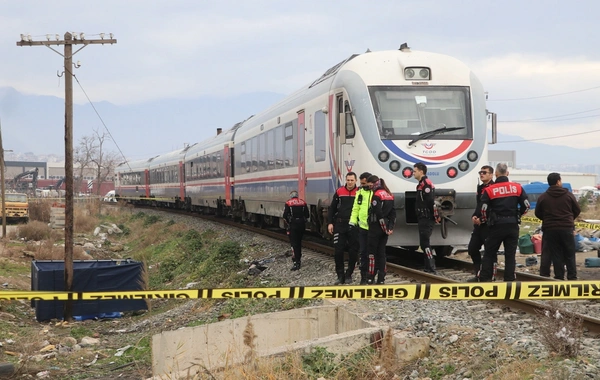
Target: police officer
x=382 y=218
x=296 y=214
x=426 y=215
x=502 y=205
x=359 y=218
x=480 y=230
x=338 y=217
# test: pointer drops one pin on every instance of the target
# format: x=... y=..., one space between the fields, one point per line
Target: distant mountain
x=32 y=123
x=531 y=153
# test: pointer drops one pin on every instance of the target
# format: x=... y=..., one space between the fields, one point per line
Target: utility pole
x=70 y=40
x=3 y=185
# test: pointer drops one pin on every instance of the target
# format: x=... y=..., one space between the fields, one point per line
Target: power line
x=544 y=96
x=549 y=138
x=548 y=121
x=551 y=117
x=101 y=120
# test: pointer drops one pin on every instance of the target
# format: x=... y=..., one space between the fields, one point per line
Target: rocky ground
x=469 y=340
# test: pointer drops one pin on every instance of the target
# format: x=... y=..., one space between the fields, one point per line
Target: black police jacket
x=425 y=198
x=503 y=202
x=341 y=205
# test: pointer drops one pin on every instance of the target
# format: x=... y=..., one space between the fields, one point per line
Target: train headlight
x=423 y=73
x=394 y=166
x=452 y=172
x=463 y=166
x=383 y=156
x=407 y=172
x=472 y=156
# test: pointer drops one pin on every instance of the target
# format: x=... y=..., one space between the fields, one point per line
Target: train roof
x=375 y=68
x=213 y=144
x=134 y=165
x=170 y=158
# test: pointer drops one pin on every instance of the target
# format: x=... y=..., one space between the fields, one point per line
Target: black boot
x=381 y=278
x=363 y=277
x=429 y=261
x=296 y=266
x=340 y=279
x=348 y=276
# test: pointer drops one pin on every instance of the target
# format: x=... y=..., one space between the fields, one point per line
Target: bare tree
x=91 y=154
x=83 y=156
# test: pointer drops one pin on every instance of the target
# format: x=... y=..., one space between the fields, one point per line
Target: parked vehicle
x=535 y=189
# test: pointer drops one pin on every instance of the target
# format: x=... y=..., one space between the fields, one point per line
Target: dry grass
x=49 y=250
x=34 y=231
x=39 y=210
x=561 y=331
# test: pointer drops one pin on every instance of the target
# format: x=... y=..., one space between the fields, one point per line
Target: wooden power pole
x=3 y=186
x=68 y=42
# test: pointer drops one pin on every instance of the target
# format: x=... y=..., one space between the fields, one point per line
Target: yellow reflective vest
x=360 y=208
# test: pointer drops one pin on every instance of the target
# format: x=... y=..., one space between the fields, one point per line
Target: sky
x=538 y=60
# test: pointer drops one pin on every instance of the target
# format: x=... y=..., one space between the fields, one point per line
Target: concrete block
x=410 y=348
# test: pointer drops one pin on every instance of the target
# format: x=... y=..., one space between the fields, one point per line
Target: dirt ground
x=583 y=273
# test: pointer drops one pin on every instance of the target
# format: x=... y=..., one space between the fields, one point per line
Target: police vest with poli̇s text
x=503 y=202
x=296 y=211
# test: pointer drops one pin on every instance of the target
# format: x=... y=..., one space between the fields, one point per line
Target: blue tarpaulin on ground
x=88 y=276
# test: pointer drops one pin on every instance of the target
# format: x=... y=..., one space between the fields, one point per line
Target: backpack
x=525 y=244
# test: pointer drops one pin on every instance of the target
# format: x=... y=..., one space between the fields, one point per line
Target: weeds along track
x=403 y=267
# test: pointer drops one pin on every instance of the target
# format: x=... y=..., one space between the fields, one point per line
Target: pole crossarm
x=65 y=42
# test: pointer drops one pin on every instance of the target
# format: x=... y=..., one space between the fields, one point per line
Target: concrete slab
x=179 y=353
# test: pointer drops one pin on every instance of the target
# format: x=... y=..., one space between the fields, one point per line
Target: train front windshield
x=405 y=112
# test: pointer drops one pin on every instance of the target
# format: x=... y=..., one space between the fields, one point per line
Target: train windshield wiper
x=429 y=134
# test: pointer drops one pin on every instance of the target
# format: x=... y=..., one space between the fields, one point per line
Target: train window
x=255 y=153
x=215 y=165
x=320 y=137
x=248 y=155
x=289 y=146
x=219 y=165
x=404 y=112
x=350 y=129
x=242 y=158
x=270 y=149
x=262 y=157
x=279 y=143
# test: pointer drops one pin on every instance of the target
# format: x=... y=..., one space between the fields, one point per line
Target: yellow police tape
x=593 y=226
x=463 y=291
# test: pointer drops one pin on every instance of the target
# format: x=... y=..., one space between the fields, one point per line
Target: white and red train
x=379 y=112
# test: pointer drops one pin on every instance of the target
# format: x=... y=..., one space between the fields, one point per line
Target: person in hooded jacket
x=382 y=218
x=557 y=208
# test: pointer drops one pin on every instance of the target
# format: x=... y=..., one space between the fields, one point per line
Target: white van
x=110 y=197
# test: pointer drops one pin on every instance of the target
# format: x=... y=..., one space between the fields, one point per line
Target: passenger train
x=379 y=112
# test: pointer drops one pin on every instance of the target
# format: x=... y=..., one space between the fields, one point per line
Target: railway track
x=449 y=271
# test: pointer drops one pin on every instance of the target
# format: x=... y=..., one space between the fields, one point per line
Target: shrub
x=150 y=220
x=34 y=230
x=39 y=210
x=83 y=220
x=230 y=251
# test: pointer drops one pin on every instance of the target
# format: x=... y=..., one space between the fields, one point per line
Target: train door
x=227 y=173
x=345 y=130
x=302 y=180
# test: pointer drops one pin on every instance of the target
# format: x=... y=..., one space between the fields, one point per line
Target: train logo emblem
x=428 y=145
x=349 y=165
